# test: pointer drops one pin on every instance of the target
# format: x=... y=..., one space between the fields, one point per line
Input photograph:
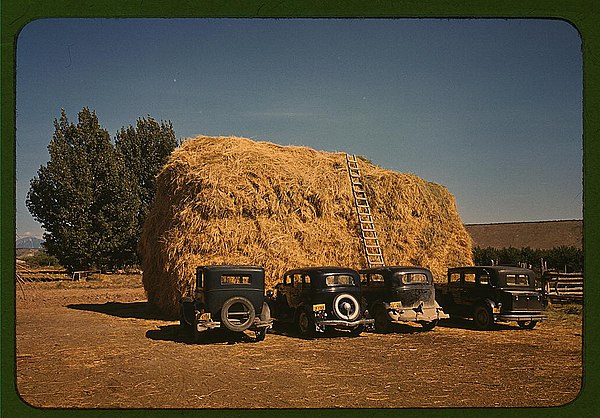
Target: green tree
x=145 y=148
x=84 y=198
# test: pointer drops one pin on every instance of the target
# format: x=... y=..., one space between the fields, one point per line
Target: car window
x=469 y=277
x=455 y=278
x=237 y=279
x=412 y=278
x=517 y=280
x=297 y=282
x=288 y=280
x=306 y=279
x=376 y=279
x=484 y=278
x=363 y=279
x=339 y=280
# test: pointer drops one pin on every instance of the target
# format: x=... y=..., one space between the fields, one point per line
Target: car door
x=451 y=299
x=470 y=292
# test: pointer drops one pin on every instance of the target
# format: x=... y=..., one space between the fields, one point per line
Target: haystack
x=229 y=200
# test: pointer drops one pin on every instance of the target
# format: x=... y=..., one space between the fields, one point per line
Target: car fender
x=486 y=302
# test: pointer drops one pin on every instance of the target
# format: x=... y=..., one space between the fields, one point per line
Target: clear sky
x=489 y=108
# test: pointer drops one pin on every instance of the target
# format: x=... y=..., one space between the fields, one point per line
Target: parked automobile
x=491 y=294
x=230 y=297
x=319 y=298
x=399 y=294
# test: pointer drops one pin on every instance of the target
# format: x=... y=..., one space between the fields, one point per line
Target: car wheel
x=483 y=317
x=260 y=334
x=428 y=326
x=305 y=323
x=356 y=331
x=383 y=323
x=527 y=324
x=237 y=314
x=187 y=316
x=265 y=314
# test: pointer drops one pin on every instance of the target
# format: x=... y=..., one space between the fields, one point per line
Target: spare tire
x=237 y=314
x=346 y=307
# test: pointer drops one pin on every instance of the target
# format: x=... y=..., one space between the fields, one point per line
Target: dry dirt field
x=98 y=345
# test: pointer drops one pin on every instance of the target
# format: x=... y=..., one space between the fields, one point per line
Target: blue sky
x=489 y=108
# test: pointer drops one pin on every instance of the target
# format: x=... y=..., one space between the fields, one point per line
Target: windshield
x=410 y=278
x=339 y=280
x=517 y=280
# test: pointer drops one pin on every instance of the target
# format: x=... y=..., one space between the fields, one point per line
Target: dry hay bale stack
x=229 y=200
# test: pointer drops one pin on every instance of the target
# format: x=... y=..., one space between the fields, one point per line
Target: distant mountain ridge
x=29 y=242
x=539 y=235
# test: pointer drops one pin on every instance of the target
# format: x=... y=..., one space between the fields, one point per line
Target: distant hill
x=29 y=242
x=537 y=235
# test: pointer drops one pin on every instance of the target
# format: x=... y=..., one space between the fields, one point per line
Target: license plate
x=319 y=307
x=395 y=305
x=205 y=317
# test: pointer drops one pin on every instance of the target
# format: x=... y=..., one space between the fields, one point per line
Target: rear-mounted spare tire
x=237 y=314
x=346 y=307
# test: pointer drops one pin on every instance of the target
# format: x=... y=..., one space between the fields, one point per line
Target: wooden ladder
x=365 y=218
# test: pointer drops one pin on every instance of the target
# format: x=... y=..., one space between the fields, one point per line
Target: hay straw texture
x=229 y=200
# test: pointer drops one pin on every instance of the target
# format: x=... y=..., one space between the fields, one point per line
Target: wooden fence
x=563 y=287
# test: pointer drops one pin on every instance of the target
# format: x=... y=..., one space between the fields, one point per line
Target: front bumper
x=203 y=325
x=418 y=314
x=519 y=316
x=343 y=324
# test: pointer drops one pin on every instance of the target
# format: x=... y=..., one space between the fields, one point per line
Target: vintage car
x=230 y=297
x=491 y=294
x=398 y=295
x=320 y=298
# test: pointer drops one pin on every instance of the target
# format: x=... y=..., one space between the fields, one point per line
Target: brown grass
x=228 y=200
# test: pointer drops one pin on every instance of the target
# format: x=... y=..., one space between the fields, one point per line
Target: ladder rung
x=363 y=210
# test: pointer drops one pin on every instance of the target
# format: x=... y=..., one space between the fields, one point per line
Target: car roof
x=231 y=267
x=497 y=269
x=394 y=269
x=322 y=270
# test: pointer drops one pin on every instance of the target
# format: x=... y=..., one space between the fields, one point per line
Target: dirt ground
x=99 y=345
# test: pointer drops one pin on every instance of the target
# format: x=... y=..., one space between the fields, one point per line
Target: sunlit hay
x=229 y=200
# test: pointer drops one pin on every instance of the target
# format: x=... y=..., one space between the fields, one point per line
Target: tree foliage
x=558 y=258
x=145 y=149
x=84 y=197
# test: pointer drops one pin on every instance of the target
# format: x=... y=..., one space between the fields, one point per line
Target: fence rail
x=563 y=287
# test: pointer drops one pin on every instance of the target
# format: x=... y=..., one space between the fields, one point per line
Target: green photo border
x=582 y=14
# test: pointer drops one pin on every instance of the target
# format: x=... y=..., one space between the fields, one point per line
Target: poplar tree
x=145 y=147
x=84 y=197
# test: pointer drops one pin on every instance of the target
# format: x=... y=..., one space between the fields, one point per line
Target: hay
x=232 y=200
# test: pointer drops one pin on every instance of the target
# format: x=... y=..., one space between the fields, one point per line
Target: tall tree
x=145 y=148
x=84 y=197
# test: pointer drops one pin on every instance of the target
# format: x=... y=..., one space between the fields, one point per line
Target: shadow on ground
x=290 y=330
x=180 y=335
x=137 y=310
x=470 y=325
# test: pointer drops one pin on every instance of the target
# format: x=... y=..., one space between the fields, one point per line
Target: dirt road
x=98 y=345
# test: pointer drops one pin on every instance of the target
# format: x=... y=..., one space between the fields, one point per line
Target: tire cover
x=346 y=307
x=235 y=326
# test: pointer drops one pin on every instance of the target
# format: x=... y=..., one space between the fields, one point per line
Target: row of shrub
x=569 y=259
x=563 y=258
